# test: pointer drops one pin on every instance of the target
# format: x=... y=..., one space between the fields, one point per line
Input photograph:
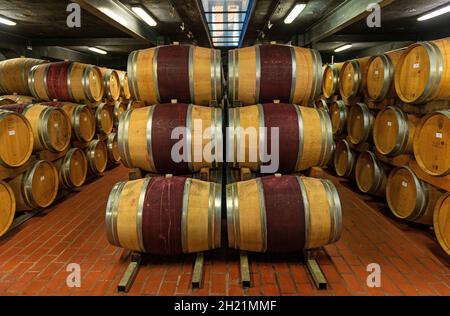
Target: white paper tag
x=85 y=119
x=416 y=66
x=349 y=75
x=389 y=123
x=42 y=178
x=368 y=166
x=76 y=163
x=329 y=78
x=56 y=125
x=405 y=184
x=439 y=135
x=104 y=114
x=12 y=132
x=376 y=72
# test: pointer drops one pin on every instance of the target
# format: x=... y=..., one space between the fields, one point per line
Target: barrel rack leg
x=197 y=274
x=245 y=269
x=130 y=273
x=314 y=269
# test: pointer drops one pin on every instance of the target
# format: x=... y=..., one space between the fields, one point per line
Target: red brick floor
x=33 y=258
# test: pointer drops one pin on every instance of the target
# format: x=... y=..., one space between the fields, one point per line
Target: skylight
x=226 y=20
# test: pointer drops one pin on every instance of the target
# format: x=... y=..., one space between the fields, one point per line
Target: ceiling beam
x=381 y=49
x=119 y=41
x=346 y=14
x=367 y=38
x=121 y=18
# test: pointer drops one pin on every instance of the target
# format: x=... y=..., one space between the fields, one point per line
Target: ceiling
x=324 y=25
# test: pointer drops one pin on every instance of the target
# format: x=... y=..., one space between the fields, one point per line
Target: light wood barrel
x=380 y=76
x=119 y=108
x=410 y=198
x=7 y=207
x=330 y=82
x=14 y=75
x=17 y=139
x=371 y=174
x=393 y=132
x=344 y=160
x=165 y=216
x=441 y=222
x=145 y=138
x=97 y=155
x=339 y=116
x=37 y=187
x=322 y=104
x=124 y=87
x=283 y=214
x=113 y=148
x=72 y=168
x=51 y=127
x=305 y=136
x=186 y=73
x=16 y=99
x=360 y=124
x=66 y=81
x=431 y=143
x=423 y=72
x=104 y=118
x=264 y=73
x=132 y=104
x=111 y=81
x=352 y=78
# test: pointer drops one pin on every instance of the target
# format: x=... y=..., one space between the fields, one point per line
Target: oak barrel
x=97 y=155
x=393 y=132
x=441 y=222
x=111 y=81
x=283 y=214
x=16 y=99
x=72 y=169
x=264 y=73
x=339 y=116
x=330 y=82
x=7 y=207
x=37 y=187
x=360 y=124
x=409 y=197
x=104 y=118
x=66 y=81
x=165 y=215
x=423 y=72
x=344 y=160
x=322 y=104
x=119 y=108
x=124 y=87
x=14 y=75
x=380 y=76
x=305 y=136
x=17 y=139
x=352 y=78
x=371 y=174
x=145 y=138
x=431 y=143
x=113 y=148
x=186 y=73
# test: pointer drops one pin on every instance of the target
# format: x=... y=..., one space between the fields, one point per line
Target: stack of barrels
x=48 y=142
x=391 y=119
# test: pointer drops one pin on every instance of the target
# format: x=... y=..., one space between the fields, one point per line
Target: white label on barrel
x=405 y=184
x=439 y=135
x=12 y=133
x=329 y=78
x=389 y=123
x=76 y=163
x=376 y=72
x=42 y=178
x=56 y=125
x=104 y=114
x=85 y=119
x=368 y=166
x=349 y=75
x=416 y=66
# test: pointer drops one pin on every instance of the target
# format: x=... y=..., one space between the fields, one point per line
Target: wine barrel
x=441 y=222
x=113 y=148
x=283 y=214
x=119 y=108
x=111 y=81
x=132 y=104
x=305 y=136
x=186 y=73
x=104 y=118
x=14 y=75
x=66 y=81
x=322 y=104
x=344 y=160
x=339 y=115
x=393 y=132
x=352 y=78
x=51 y=127
x=97 y=155
x=124 y=87
x=7 y=207
x=360 y=124
x=16 y=99
x=37 y=187
x=17 y=139
x=380 y=76
x=145 y=139
x=330 y=82
x=81 y=119
x=264 y=73
x=371 y=174
x=431 y=147
x=423 y=74
x=165 y=215
x=409 y=198
x=72 y=169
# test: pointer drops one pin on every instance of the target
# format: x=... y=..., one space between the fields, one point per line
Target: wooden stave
x=351 y=161
x=441 y=237
x=16 y=99
x=359 y=77
x=343 y=117
x=91 y=153
x=380 y=170
x=64 y=164
x=335 y=69
x=111 y=141
x=11 y=210
x=368 y=121
x=108 y=76
x=107 y=129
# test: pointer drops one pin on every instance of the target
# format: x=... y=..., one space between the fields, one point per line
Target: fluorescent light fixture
x=97 y=50
x=144 y=16
x=342 y=48
x=435 y=13
x=7 y=22
x=114 y=16
x=294 y=13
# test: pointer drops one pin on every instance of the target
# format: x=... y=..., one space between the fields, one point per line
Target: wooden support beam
x=245 y=269
x=197 y=274
x=129 y=276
